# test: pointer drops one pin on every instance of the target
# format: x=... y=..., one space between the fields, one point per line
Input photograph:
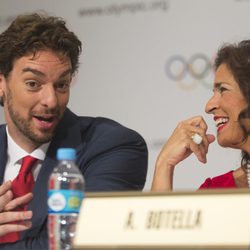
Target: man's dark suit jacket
x=110 y=156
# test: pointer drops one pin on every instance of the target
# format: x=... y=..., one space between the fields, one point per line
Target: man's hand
x=13 y=221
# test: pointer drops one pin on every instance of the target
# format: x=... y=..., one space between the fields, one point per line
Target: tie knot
x=27 y=163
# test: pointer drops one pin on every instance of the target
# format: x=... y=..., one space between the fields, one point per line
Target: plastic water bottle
x=65 y=194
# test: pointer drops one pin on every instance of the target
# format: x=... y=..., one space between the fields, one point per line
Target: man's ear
x=2 y=85
x=2 y=88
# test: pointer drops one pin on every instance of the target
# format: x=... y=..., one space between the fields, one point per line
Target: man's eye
x=62 y=86
x=32 y=85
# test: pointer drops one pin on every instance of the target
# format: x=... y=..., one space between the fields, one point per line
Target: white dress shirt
x=15 y=154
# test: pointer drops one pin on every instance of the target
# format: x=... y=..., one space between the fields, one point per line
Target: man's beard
x=24 y=125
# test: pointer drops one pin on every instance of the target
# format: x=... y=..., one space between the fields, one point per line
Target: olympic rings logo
x=189 y=73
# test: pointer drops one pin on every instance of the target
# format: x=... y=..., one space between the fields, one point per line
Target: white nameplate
x=210 y=219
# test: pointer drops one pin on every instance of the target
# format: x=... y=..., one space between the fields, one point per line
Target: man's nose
x=49 y=97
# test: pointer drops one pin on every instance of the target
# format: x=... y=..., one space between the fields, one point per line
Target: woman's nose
x=212 y=104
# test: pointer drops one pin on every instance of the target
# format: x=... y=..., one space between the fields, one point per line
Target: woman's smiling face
x=226 y=104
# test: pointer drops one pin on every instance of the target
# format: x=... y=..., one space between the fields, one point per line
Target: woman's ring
x=197 y=139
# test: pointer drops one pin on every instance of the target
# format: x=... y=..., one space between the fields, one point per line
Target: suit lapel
x=39 y=202
x=3 y=151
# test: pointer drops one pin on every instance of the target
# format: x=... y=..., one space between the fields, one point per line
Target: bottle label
x=64 y=201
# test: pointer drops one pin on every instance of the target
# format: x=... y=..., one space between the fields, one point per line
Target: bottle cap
x=66 y=154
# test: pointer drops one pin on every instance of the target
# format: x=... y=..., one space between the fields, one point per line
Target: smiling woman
x=229 y=106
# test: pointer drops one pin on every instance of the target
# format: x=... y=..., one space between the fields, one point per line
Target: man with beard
x=38 y=58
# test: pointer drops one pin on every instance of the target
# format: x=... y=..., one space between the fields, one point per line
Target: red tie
x=21 y=185
x=24 y=181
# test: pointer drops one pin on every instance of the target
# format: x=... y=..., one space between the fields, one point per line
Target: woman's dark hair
x=237 y=58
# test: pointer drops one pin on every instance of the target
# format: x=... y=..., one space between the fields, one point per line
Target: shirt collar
x=16 y=153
